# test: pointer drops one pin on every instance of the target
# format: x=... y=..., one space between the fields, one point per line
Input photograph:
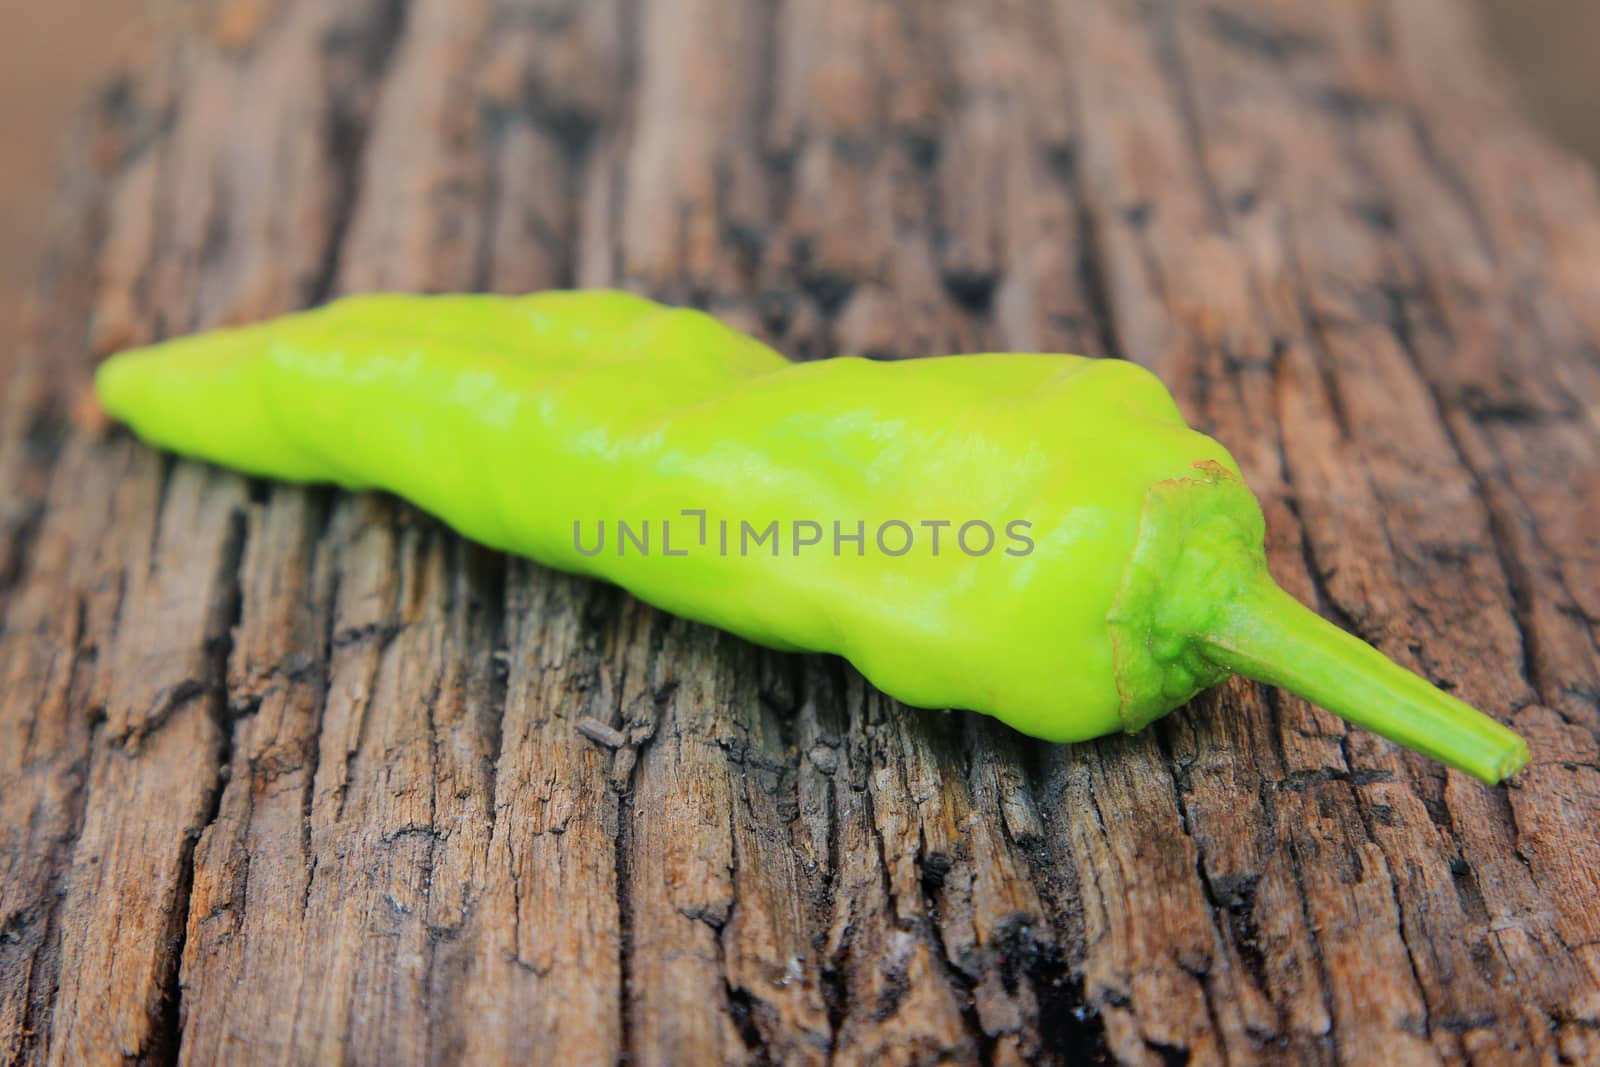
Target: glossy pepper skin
x=523 y=420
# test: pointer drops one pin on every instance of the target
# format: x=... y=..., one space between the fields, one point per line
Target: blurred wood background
x=294 y=776
x=52 y=56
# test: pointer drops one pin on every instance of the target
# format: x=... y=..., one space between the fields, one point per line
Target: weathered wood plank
x=298 y=776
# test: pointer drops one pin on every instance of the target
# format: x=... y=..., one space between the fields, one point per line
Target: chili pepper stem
x=1271 y=637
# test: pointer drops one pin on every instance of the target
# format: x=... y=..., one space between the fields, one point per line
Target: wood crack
x=1174 y=64
x=326 y=551
x=166 y=1038
x=1091 y=255
x=348 y=128
x=1511 y=567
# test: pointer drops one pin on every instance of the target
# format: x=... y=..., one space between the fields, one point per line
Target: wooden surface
x=293 y=776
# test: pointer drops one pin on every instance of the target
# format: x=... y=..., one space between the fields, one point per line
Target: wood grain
x=295 y=776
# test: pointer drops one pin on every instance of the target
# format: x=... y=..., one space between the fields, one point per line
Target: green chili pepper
x=1040 y=538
